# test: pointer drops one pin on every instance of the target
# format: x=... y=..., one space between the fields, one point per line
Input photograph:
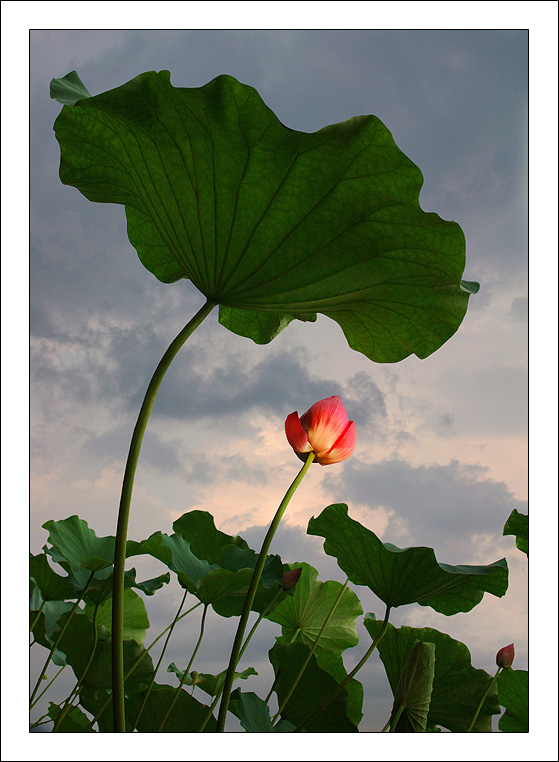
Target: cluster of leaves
x=434 y=683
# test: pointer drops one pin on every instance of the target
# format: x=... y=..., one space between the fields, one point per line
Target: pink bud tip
x=505 y=656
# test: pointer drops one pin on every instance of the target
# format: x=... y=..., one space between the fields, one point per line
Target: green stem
x=124 y=513
x=76 y=689
x=59 y=638
x=394 y=721
x=41 y=721
x=311 y=652
x=42 y=693
x=249 y=600
x=331 y=696
x=137 y=662
x=186 y=671
x=37 y=617
x=241 y=652
x=478 y=710
x=150 y=686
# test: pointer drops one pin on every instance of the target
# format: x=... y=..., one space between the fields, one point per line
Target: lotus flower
x=324 y=429
x=505 y=656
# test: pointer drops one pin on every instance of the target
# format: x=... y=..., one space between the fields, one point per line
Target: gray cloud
x=438 y=503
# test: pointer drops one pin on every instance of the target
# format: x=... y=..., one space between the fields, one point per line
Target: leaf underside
x=271 y=223
x=403 y=576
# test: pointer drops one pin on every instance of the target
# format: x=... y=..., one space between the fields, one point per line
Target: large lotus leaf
x=513 y=695
x=303 y=614
x=270 y=223
x=51 y=585
x=313 y=687
x=517 y=524
x=205 y=540
x=458 y=687
x=413 y=692
x=401 y=576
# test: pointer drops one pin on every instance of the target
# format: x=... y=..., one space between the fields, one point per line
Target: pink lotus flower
x=505 y=656
x=324 y=429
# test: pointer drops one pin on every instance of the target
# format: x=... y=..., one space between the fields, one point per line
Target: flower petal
x=341 y=449
x=296 y=435
x=324 y=422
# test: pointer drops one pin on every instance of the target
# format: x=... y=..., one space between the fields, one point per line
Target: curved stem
x=151 y=682
x=331 y=696
x=124 y=512
x=66 y=708
x=311 y=652
x=249 y=600
x=478 y=710
x=186 y=671
x=59 y=638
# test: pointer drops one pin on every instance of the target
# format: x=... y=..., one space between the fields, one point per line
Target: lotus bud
x=505 y=656
x=291 y=578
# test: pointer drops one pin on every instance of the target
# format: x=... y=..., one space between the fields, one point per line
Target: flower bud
x=324 y=429
x=505 y=656
x=291 y=578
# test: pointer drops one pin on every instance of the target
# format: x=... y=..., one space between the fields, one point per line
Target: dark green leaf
x=135 y=618
x=302 y=614
x=47 y=625
x=271 y=223
x=186 y=715
x=402 y=576
x=413 y=692
x=226 y=591
x=68 y=90
x=77 y=644
x=517 y=524
x=252 y=711
x=175 y=552
x=209 y=683
x=235 y=558
x=457 y=686
x=206 y=542
x=75 y=721
x=51 y=585
x=313 y=687
x=513 y=695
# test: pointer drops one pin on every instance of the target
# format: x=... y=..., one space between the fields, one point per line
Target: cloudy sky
x=441 y=455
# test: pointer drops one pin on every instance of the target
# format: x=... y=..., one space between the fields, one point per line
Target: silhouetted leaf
x=402 y=576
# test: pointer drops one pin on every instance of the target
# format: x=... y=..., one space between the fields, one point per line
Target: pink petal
x=342 y=448
x=324 y=422
x=296 y=435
